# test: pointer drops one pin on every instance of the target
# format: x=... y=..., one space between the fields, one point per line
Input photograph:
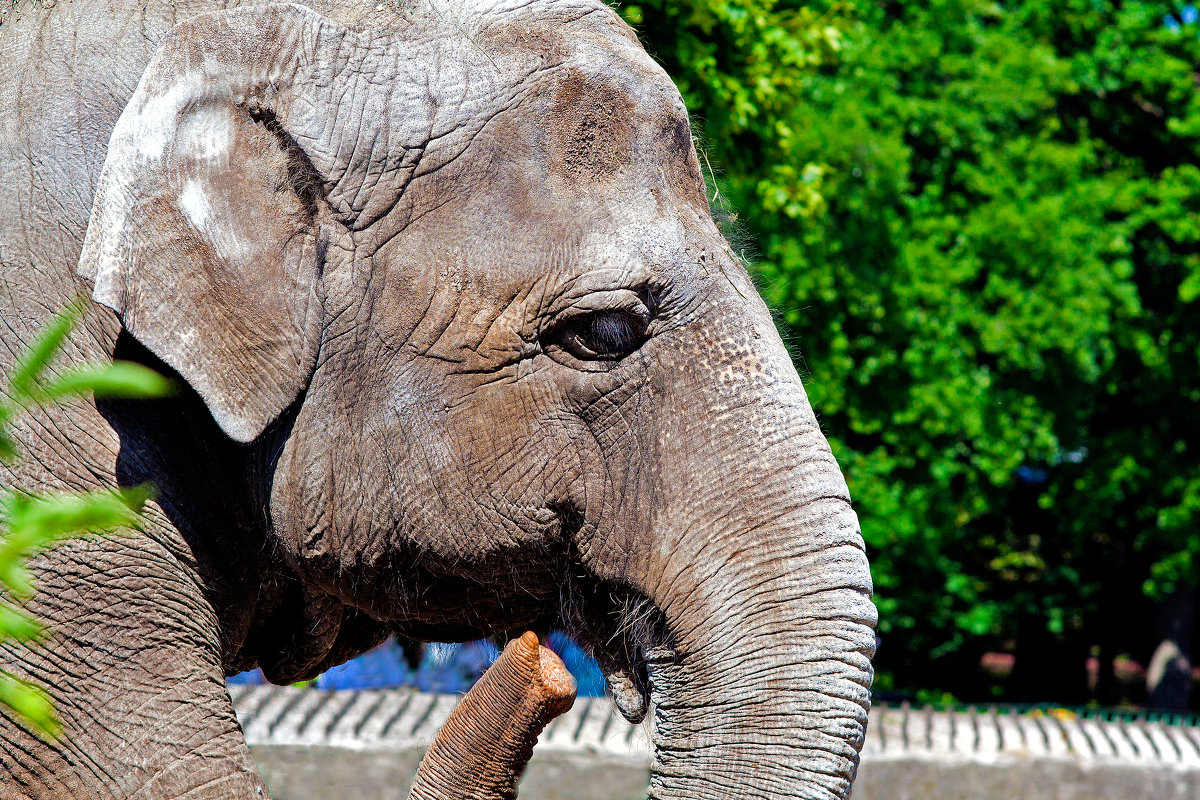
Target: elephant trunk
x=761 y=686
x=759 y=670
x=481 y=751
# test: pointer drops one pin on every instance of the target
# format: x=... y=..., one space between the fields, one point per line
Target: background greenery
x=978 y=222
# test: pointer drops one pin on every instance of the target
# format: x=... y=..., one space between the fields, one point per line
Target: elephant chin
x=309 y=634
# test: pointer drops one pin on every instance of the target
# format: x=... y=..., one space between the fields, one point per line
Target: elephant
x=460 y=352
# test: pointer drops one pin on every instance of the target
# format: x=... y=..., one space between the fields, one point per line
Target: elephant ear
x=207 y=230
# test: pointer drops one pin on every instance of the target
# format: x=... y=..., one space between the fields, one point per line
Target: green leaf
x=1189 y=289
x=8 y=448
x=16 y=624
x=30 y=366
x=13 y=573
x=30 y=702
x=37 y=520
x=33 y=522
x=120 y=379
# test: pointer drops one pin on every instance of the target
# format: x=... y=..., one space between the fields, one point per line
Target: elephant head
x=452 y=271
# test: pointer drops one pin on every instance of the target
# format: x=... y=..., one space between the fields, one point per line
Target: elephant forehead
x=606 y=109
x=523 y=266
x=473 y=61
x=536 y=26
x=562 y=84
x=581 y=176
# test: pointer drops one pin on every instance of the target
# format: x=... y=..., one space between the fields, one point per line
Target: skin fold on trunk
x=481 y=751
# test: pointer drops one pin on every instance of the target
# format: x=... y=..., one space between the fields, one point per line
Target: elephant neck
x=205 y=510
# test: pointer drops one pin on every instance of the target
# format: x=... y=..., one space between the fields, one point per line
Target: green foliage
x=740 y=67
x=30 y=523
x=979 y=222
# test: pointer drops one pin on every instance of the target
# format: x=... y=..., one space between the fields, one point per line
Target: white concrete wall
x=365 y=745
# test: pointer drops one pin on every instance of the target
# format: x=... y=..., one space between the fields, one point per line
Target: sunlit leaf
x=30 y=366
x=13 y=573
x=30 y=523
x=30 y=702
x=8 y=448
x=16 y=624
x=121 y=379
x=36 y=520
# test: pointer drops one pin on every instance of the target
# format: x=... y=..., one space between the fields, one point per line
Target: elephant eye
x=603 y=336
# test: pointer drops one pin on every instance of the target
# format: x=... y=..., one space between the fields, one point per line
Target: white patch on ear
x=194 y=204
x=140 y=138
x=227 y=243
x=206 y=134
x=154 y=124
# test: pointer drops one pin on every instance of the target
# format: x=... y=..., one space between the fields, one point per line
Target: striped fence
x=365 y=745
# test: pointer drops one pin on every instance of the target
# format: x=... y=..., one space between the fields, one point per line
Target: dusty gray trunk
x=768 y=696
x=759 y=666
x=761 y=680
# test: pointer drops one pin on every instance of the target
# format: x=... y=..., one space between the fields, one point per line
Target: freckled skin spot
x=591 y=137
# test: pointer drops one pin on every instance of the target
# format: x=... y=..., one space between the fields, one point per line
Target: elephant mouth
x=626 y=633
x=616 y=633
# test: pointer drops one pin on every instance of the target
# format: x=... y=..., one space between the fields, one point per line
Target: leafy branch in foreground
x=31 y=523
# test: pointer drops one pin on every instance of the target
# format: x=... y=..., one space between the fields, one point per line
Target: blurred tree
x=980 y=222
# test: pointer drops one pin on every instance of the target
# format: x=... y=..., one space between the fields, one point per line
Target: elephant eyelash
x=600 y=336
x=611 y=333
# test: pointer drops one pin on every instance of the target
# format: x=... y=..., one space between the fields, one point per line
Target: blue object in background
x=447 y=668
x=1032 y=476
x=252 y=678
x=375 y=669
x=1187 y=16
x=587 y=672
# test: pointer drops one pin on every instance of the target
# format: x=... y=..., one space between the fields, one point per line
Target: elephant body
x=460 y=351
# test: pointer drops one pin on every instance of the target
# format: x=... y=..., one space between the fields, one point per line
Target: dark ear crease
x=205 y=237
x=300 y=177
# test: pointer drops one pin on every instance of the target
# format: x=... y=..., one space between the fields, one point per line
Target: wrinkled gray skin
x=462 y=352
